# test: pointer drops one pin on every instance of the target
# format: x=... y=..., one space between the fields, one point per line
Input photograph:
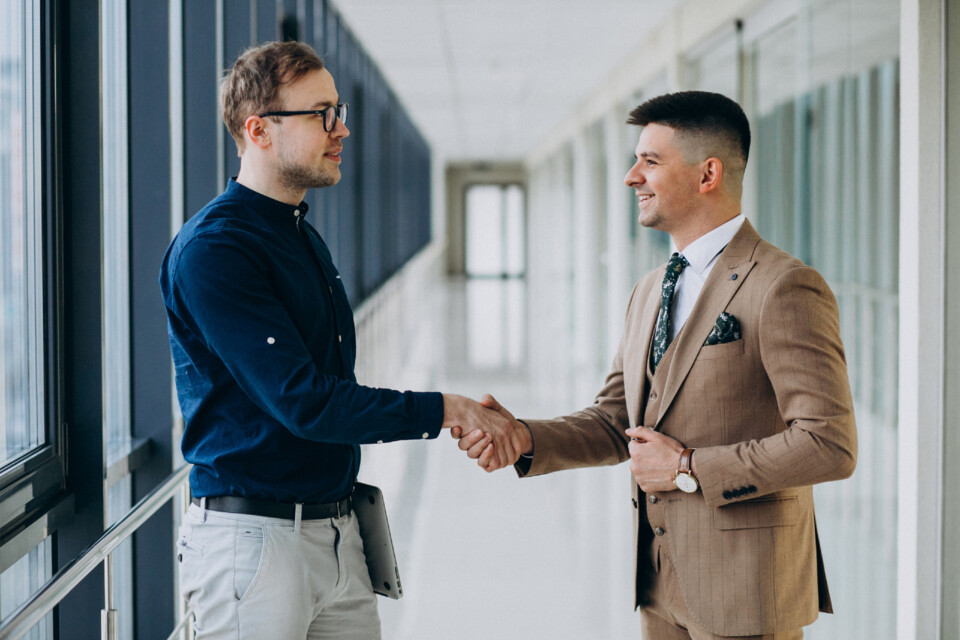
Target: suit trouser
x=668 y=618
x=251 y=577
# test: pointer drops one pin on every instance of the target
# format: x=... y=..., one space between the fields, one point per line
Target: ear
x=711 y=174
x=256 y=131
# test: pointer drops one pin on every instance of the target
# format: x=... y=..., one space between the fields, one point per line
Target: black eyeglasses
x=330 y=115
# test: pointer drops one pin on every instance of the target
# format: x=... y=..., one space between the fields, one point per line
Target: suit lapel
x=732 y=268
x=648 y=317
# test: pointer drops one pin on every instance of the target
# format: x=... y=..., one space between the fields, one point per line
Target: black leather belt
x=287 y=510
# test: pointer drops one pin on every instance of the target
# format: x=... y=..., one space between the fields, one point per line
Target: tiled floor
x=489 y=555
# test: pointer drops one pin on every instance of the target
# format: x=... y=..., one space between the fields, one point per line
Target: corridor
x=480 y=554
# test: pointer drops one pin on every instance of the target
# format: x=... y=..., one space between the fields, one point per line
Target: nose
x=340 y=130
x=634 y=176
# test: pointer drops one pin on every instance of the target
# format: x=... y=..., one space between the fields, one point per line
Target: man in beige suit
x=728 y=394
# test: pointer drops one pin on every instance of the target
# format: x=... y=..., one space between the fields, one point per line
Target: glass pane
x=716 y=69
x=22 y=580
x=118 y=505
x=484 y=211
x=515 y=242
x=21 y=317
x=495 y=321
x=826 y=133
x=116 y=229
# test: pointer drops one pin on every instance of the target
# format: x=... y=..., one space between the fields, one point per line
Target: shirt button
x=659 y=531
x=379 y=441
x=339 y=338
x=296 y=213
x=425 y=435
x=652 y=499
x=653 y=395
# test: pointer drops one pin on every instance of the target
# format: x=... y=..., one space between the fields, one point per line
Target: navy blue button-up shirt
x=263 y=347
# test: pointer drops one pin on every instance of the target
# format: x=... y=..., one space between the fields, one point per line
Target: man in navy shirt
x=263 y=346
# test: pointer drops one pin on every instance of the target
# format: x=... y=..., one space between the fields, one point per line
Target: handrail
x=62 y=583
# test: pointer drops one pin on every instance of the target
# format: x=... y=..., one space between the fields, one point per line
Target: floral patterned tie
x=662 y=336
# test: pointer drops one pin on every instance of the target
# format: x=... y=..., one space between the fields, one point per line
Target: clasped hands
x=495 y=439
x=486 y=431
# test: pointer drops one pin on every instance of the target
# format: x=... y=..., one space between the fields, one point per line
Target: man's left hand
x=654 y=459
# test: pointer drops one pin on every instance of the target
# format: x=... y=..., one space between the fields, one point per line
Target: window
x=22 y=580
x=496 y=248
x=495 y=224
x=825 y=115
x=21 y=294
x=30 y=465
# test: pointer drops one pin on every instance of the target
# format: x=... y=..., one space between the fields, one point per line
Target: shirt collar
x=701 y=252
x=273 y=209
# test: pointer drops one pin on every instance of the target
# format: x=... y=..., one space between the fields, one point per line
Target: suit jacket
x=769 y=415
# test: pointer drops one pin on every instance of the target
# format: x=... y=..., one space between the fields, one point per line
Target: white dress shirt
x=702 y=254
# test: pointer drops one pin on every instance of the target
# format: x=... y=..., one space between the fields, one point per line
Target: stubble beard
x=299 y=177
x=652 y=220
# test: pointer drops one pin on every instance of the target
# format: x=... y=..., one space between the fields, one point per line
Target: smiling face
x=306 y=156
x=666 y=184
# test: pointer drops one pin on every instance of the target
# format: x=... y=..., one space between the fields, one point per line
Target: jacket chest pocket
x=725 y=350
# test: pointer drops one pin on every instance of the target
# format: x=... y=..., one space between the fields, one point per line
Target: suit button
x=635 y=505
x=659 y=531
x=751 y=489
x=653 y=499
x=728 y=495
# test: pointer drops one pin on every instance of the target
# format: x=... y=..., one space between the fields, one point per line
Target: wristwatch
x=685 y=480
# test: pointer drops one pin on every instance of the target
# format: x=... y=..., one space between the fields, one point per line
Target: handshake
x=486 y=431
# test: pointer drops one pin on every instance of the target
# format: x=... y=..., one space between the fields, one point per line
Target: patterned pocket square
x=727 y=329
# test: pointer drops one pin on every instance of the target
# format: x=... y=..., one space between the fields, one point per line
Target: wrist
x=451 y=411
x=526 y=438
x=685 y=479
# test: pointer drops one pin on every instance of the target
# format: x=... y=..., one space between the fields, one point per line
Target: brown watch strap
x=686 y=456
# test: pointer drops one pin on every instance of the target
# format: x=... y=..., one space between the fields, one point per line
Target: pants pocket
x=248 y=559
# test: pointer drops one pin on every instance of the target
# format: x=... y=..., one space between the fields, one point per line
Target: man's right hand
x=497 y=445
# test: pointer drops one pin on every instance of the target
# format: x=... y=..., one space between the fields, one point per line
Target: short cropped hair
x=252 y=85
x=710 y=119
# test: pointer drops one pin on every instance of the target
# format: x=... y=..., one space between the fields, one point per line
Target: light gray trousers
x=251 y=577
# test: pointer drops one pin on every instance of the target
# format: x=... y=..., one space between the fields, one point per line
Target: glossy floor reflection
x=489 y=555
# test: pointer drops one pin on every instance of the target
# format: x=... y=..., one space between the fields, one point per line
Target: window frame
x=33 y=501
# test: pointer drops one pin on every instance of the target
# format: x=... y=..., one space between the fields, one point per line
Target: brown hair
x=253 y=84
x=711 y=119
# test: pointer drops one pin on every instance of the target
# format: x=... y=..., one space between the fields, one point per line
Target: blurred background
x=488 y=245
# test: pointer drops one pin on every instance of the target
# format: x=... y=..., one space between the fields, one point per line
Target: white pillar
x=586 y=305
x=921 y=319
x=618 y=228
x=950 y=545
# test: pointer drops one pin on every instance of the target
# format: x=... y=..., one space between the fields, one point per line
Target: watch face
x=686 y=483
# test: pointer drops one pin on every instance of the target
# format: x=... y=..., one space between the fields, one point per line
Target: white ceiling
x=488 y=79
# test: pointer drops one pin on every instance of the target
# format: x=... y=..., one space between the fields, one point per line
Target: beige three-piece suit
x=769 y=415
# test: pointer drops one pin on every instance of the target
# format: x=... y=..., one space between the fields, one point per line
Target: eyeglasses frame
x=341 y=111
